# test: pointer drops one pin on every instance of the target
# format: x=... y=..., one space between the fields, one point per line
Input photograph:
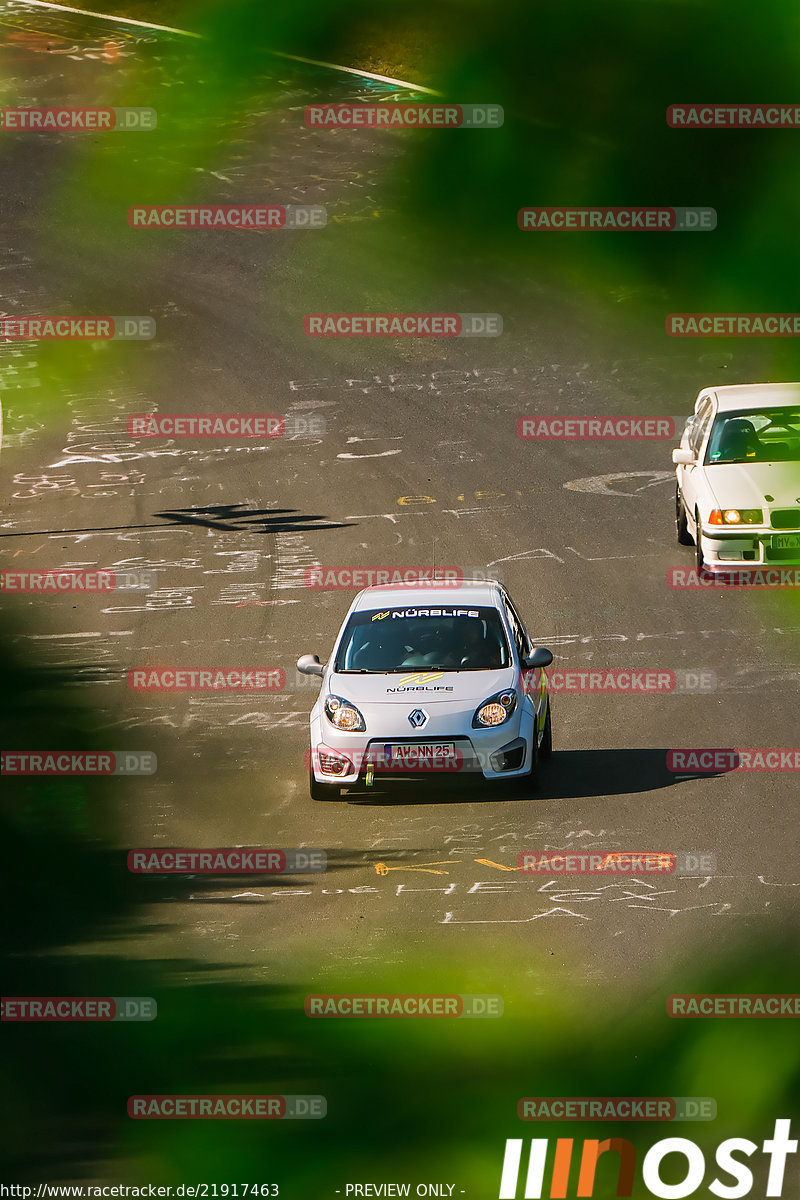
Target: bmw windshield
x=758 y=436
x=440 y=638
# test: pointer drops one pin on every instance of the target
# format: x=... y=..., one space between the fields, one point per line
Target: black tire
x=322 y=791
x=700 y=562
x=681 y=524
x=546 y=748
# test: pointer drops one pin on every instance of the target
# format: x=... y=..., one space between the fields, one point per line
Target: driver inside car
x=738 y=441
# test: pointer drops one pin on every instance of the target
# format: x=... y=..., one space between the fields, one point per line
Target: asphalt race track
x=419 y=462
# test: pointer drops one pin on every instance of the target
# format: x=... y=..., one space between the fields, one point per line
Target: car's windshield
x=757 y=435
x=442 y=637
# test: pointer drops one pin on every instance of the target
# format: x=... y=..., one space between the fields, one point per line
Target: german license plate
x=418 y=752
x=785 y=541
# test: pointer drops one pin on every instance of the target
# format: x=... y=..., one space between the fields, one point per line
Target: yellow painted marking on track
x=487 y=862
x=382 y=869
x=665 y=857
x=461 y=497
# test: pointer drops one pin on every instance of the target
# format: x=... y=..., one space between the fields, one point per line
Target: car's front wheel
x=322 y=791
x=681 y=524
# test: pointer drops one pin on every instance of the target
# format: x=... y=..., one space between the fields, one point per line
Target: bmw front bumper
x=751 y=549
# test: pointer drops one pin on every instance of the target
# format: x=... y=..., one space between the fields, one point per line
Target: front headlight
x=344 y=715
x=736 y=516
x=495 y=710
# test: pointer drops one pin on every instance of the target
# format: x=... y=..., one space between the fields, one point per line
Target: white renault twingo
x=424 y=678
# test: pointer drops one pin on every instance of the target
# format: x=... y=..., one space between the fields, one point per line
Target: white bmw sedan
x=429 y=678
x=737 y=497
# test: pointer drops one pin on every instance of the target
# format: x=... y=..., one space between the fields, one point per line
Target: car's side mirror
x=682 y=458
x=541 y=657
x=309 y=664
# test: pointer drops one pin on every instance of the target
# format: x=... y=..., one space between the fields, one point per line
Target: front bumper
x=504 y=752
x=752 y=549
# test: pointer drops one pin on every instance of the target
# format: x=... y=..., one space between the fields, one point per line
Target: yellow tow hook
x=370 y=774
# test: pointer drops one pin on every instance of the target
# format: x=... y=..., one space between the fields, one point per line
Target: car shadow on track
x=229 y=518
x=570 y=774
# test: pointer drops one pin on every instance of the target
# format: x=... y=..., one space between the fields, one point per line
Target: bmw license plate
x=785 y=541
x=417 y=753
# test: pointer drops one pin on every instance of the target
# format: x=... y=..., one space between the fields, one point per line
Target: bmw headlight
x=344 y=715
x=736 y=516
x=495 y=710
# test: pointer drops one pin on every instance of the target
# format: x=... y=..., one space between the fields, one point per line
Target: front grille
x=785 y=518
x=791 y=555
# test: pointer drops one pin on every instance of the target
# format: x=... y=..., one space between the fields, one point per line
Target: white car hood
x=744 y=485
x=420 y=687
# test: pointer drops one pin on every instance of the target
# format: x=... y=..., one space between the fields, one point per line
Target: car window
x=755 y=435
x=698 y=431
x=521 y=640
x=436 y=638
